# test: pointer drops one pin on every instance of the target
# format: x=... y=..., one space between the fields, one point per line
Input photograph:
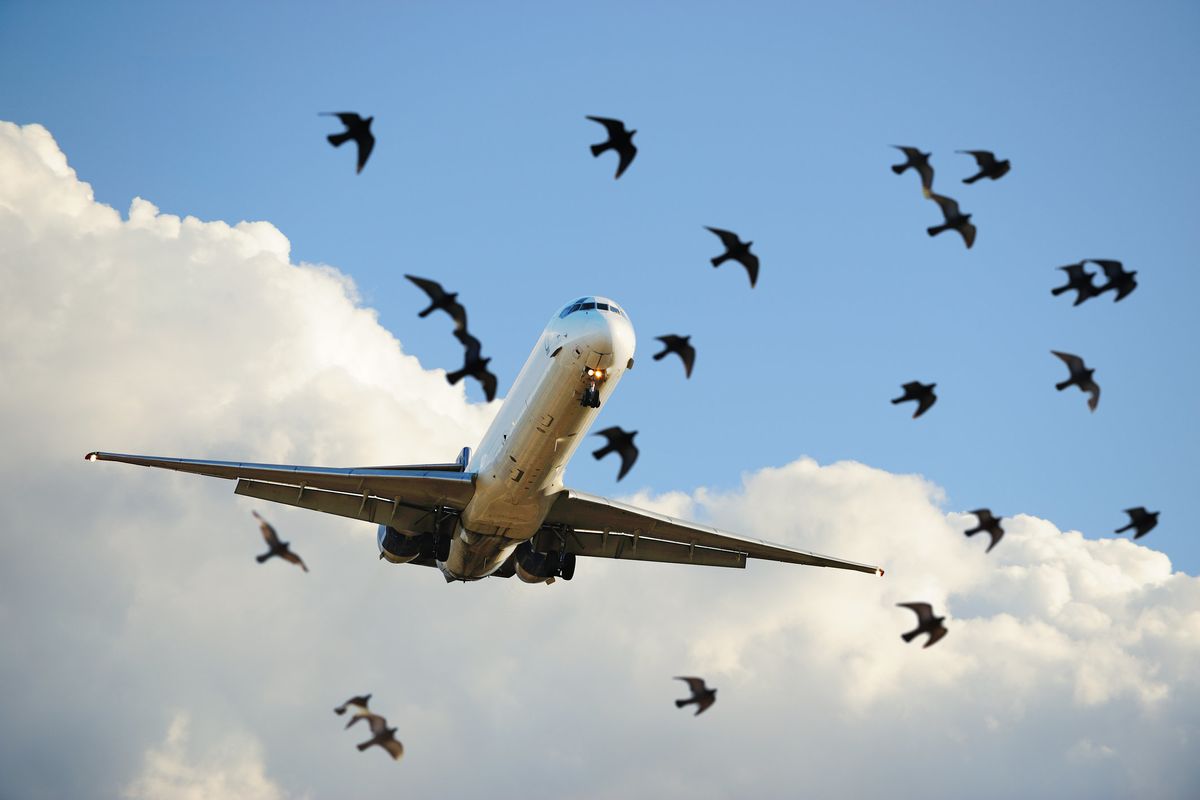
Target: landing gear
x=441 y=547
x=566 y=566
x=591 y=396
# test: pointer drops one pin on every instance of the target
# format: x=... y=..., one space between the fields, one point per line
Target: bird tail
x=597 y=149
x=455 y=377
x=972 y=531
x=661 y=355
x=973 y=178
x=936 y=229
x=899 y=168
x=603 y=451
x=338 y=139
x=908 y=637
x=719 y=260
x=681 y=703
x=364 y=746
x=262 y=558
x=1126 y=528
x=427 y=312
x=1062 y=385
x=899 y=400
x=1056 y=292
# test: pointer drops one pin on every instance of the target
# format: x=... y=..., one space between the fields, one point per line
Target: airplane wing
x=607 y=528
x=398 y=496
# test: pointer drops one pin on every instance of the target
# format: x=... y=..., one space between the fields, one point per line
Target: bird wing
x=1093 y=389
x=394 y=748
x=688 y=354
x=610 y=433
x=704 y=703
x=1112 y=269
x=637 y=534
x=926 y=173
x=1136 y=514
x=615 y=127
x=366 y=143
x=948 y=205
x=470 y=343
x=924 y=404
x=924 y=611
x=629 y=454
x=936 y=635
x=348 y=118
x=986 y=159
x=268 y=531
x=985 y=516
x=1076 y=273
x=378 y=723
x=750 y=262
x=1125 y=289
x=913 y=388
x=728 y=238
x=364 y=714
x=626 y=153
x=968 y=233
x=288 y=555
x=697 y=685
x=913 y=153
x=431 y=288
x=488 y=381
x=1073 y=362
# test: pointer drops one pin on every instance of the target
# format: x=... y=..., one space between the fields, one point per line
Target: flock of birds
x=620 y=441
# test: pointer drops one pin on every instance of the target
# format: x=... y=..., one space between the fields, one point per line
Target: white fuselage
x=520 y=461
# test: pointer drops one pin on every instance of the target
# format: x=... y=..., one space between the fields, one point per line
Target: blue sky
x=772 y=121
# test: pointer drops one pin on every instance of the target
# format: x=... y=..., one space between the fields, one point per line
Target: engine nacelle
x=397 y=547
x=534 y=567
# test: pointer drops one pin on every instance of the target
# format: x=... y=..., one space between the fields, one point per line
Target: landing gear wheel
x=567 y=566
x=441 y=548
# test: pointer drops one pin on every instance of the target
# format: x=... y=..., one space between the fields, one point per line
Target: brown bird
x=358 y=129
x=987 y=523
x=736 y=250
x=619 y=441
x=474 y=365
x=383 y=736
x=921 y=392
x=1118 y=279
x=989 y=167
x=1081 y=376
x=679 y=346
x=702 y=696
x=926 y=623
x=1078 y=279
x=955 y=219
x=277 y=548
x=619 y=139
x=918 y=161
x=1141 y=520
x=358 y=702
x=439 y=298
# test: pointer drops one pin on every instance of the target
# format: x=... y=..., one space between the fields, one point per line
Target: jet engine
x=398 y=547
x=532 y=566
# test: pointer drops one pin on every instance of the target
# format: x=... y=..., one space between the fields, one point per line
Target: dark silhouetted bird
x=702 y=696
x=440 y=298
x=738 y=251
x=1081 y=376
x=987 y=523
x=989 y=167
x=926 y=623
x=383 y=736
x=1140 y=520
x=955 y=219
x=619 y=139
x=474 y=365
x=358 y=129
x=918 y=161
x=1078 y=279
x=359 y=702
x=921 y=392
x=680 y=346
x=1118 y=279
x=277 y=548
x=621 y=442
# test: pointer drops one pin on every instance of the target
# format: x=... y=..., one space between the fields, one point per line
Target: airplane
x=503 y=510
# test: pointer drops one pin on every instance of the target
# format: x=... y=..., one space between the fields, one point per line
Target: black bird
x=702 y=696
x=954 y=219
x=680 y=346
x=1078 y=279
x=383 y=736
x=440 y=298
x=619 y=139
x=358 y=129
x=358 y=702
x=989 y=167
x=1140 y=520
x=921 y=392
x=1081 y=376
x=988 y=523
x=918 y=161
x=738 y=251
x=474 y=365
x=926 y=623
x=277 y=548
x=619 y=441
x=1118 y=278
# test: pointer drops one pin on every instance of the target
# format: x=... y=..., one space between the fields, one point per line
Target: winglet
x=92 y=456
x=879 y=571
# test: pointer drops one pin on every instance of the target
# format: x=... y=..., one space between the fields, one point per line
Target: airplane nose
x=610 y=340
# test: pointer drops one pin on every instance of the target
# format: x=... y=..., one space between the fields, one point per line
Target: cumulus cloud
x=130 y=602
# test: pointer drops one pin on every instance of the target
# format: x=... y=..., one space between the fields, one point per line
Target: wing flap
x=399 y=515
x=629 y=548
x=582 y=511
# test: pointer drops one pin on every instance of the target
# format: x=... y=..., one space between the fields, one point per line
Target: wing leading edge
x=692 y=543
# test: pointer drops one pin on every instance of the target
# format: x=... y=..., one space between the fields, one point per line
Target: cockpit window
x=584 y=304
x=587 y=306
x=602 y=306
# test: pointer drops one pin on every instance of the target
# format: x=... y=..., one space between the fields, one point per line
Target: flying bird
x=926 y=623
x=1118 y=279
x=921 y=392
x=954 y=219
x=738 y=251
x=621 y=442
x=988 y=523
x=619 y=139
x=679 y=346
x=1141 y=520
x=474 y=365
x=918 y=161
x=439 y=298
x=1078 y=279
x=1081 y=376
x=277 y=548
x=989 y=167
x=702 y=696
x=358 y=129
x=359 y=702
x=383 y=736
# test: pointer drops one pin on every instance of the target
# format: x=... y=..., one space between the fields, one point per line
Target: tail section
x=338 y=139
x=1060 y=290
x=455 y=377
x=899 y=168
x=719 y=260
x=908 y=637
x=972 y=179
x=597 y=149
x=1063 y=385
x=262 y=558
x=681 y=703
x=936 y=229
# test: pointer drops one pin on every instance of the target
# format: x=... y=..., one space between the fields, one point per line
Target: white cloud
x=1069 y=669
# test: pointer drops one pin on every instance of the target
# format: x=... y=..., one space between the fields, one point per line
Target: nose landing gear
x=591 y=395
